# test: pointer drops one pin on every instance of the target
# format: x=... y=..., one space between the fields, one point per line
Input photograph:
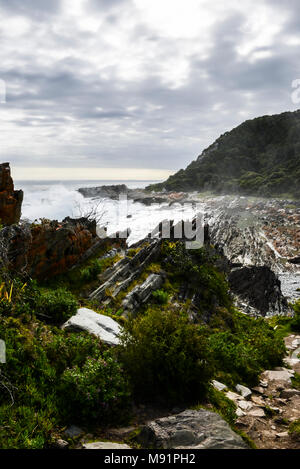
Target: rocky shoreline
x=98 y=304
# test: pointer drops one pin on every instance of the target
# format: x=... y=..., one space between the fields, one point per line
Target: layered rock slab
x=195 y=429
x=104 y=327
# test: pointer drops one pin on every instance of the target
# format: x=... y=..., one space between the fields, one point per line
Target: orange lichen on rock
x=10 y=200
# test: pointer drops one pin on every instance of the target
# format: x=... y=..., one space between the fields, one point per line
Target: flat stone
x=105 y=445
x=258 y=401
x=61 y=444
x=219 y=386
x=233 y=396
x=263 y=383
x=259 y=390
x=282 y=435
x=245 y=405
x=257 y=412
x=243 y=391
x=239 y=412
x=191 y=429
x=276 y=410
x=288 y=393
x=104 y=327
x=291 y=361
x=278 y=375
x=295 y=343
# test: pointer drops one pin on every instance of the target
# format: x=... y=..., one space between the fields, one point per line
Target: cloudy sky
x=137 y=88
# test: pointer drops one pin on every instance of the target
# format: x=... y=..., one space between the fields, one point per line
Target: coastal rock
x=111 y=192
x=141 y=293
x=260 y=287
x=10 y=200
x=104 y=327
x=191 y=429
x=127 y=270
x=49 y=248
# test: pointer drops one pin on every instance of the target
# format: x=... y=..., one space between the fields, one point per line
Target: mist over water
x=56 y=200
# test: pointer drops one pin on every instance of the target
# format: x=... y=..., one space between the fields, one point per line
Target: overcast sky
x=144 y=85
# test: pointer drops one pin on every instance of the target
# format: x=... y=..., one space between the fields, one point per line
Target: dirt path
x=276 y=404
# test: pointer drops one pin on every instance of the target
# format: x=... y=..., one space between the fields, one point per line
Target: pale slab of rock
x=288 y=393
x=263 y=383
x=278 y=375
x=61 y=444
x=105 y=445
x=191 y=429
x=219 y=386
x=233 y=396
x=243 y=391
x=257 y=412
x=141 y=293
x=282 y=435
x=104 y=327
x=295 y=343
x=257 y=401
x=240 y=413
x=245 y=405
x=291 y=361
x=259 y=390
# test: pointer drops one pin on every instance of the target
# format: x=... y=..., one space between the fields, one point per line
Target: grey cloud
x=144 y=122
x=36 y=9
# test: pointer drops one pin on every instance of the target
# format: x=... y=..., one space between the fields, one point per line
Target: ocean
x=56 y=200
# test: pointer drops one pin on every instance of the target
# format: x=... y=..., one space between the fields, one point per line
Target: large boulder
x=104 y=327
x=10 y=200
x=191 y=429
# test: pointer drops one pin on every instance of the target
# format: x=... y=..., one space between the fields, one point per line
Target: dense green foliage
x=172 y=348
x=295 y=323
x=166 y=357
x=244 y=351
x=53 y=305
x=161 y=297
x=48 y=373
x=97 y=390
x=259 y=157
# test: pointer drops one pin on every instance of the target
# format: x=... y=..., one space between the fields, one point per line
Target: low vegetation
x=171 y=350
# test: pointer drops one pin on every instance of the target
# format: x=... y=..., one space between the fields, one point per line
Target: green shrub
x=295 y=322
x=294 y=429
x=166 y=357
x=249 y=348
x=65 y=350
x=37 y=359
x=97 y=390
x=54 y=305
x=91 y=271
x=161 y=297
